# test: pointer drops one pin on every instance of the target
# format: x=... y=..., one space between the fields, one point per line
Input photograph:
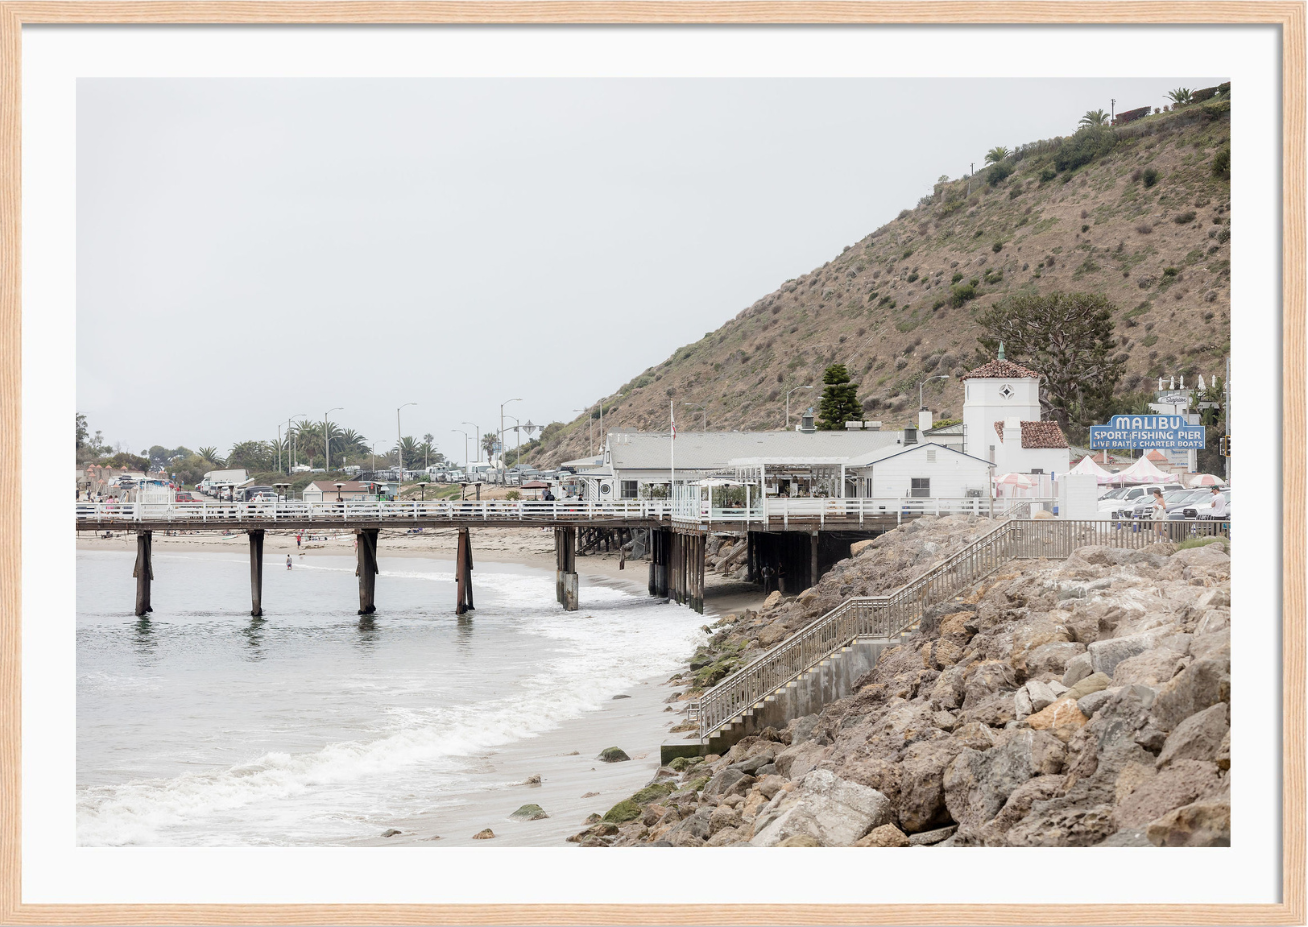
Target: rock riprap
x=1081 y=702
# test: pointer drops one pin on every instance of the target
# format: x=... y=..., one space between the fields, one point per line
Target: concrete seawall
x=806 y=694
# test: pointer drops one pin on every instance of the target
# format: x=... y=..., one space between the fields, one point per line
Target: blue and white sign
x=1161 y=432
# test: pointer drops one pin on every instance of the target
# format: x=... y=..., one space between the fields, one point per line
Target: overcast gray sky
x=253 y=249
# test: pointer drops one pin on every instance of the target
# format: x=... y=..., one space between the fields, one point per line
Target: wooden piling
x=256 y=573
x=367 y=569
x=144 y=571
x=565 y=576
x=463 y=574
x=813 y=560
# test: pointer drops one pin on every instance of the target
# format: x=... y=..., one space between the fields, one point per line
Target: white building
x=1002 y=423
x=922 y=471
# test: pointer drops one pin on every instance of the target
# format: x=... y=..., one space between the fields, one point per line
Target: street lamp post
x=290 y=443
x=476 y=447
x=465 y=450
x=501 y=435
x=399 y=439
x=939 y=376
x=326 y=438
x=788 y=392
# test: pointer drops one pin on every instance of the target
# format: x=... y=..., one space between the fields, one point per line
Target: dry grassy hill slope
x=1145 y=220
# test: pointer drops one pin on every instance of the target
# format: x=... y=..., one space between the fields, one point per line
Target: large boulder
x=1201 y=824
x=1152 y=667
x=834 y=811
x=1053 y=824
x=887 y=835
x=1079 y=667
x=1182 y=782
x=1062 y=719
x=921 y=798
x=1200 y=685
x=1106 y=654
x=986 y=679
x=1052 y=658
x=977 y=784
x=1198 y=737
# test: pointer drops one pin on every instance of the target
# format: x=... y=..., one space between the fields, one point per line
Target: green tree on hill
x=996 y=154
x=839 y=402
x=1095 y=117
x=1180 y=96
x=1067 y=338
x=210 y=455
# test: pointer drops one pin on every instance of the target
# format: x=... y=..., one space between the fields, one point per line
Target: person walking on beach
x=288 y=561
x=297 y=539
x=1158 y=510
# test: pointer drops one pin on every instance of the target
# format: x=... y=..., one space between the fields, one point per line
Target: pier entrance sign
x=1158 y=432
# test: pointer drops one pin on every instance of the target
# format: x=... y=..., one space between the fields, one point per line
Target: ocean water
x=200 y=725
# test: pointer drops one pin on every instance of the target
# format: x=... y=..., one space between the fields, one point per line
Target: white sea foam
x=427 y=709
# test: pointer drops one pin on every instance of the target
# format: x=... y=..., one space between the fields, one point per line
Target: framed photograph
x=441 y=304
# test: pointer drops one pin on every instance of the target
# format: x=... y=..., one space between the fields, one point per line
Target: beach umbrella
x=1015 y=479
x=1206 y=479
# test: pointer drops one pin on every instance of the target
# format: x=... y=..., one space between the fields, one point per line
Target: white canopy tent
x=1143 y=471
x=1087 y=467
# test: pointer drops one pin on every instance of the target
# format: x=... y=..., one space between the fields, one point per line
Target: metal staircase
x=889 y=616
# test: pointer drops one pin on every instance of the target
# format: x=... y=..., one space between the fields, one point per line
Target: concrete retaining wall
x=807 y=694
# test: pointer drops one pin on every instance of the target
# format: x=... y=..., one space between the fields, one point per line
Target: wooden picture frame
x=1288 y=16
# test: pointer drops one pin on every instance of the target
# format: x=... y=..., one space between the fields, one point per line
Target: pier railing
x=887 y=616
x=773 y=512
x=95 y=514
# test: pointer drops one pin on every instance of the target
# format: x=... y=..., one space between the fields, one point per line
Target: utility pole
x=290 y=443
x=971 y=171
x=399 y=440
x=477 y=446
x=465 y=450
x=501 y=435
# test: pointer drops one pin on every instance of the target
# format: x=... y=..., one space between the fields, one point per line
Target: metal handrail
x=890 y=615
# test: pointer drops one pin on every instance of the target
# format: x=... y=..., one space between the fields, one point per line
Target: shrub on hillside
x=1184 y=218
x=998 y=173
x=961 y=293
x=1150 y=177
x=1222 y=164
x=1083 y=147
x=1048 y=174
x=997 y=247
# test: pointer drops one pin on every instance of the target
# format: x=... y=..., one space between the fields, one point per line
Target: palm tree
x=1180 y=96
x=490 y=443
x=409 y=450
x=427 y=439
x=211 y=455
x=996 y=154
x=1094 y=117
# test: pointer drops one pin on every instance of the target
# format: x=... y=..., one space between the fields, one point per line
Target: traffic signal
x=1226 y=445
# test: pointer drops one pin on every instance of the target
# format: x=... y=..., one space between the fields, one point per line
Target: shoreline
x=573 y=782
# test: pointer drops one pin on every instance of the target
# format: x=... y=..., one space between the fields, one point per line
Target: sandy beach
x=573 y=782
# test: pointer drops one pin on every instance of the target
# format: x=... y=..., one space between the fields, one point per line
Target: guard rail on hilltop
x=887 y=616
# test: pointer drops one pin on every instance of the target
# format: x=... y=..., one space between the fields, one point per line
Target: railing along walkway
x=886 y=616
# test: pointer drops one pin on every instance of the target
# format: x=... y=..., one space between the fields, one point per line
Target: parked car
x=186 y=497
x=1143 y=506
x=1202 y=505
x=1130 y=495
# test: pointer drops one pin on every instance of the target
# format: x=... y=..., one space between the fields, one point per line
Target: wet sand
x=565 y=758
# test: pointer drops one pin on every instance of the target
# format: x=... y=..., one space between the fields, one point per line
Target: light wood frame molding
x=1288 y=16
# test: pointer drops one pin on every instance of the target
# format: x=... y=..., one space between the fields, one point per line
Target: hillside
x=1139 y=213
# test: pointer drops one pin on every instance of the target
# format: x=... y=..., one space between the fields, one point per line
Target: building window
x=931 y=456
x=629 y=489
x=921 y=488
x=1006 y=391
x=1036 y=471
x=992 y=453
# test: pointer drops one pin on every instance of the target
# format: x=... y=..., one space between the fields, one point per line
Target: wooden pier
x=790 y=545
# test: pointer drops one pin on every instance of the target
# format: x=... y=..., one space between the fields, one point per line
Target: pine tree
x=839 y=400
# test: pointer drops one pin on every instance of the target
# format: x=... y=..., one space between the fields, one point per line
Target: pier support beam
x=565 y=577
x=367 y=569
x=256 y=573
x=813 y=574
x=144 y=571
x=463 y=574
